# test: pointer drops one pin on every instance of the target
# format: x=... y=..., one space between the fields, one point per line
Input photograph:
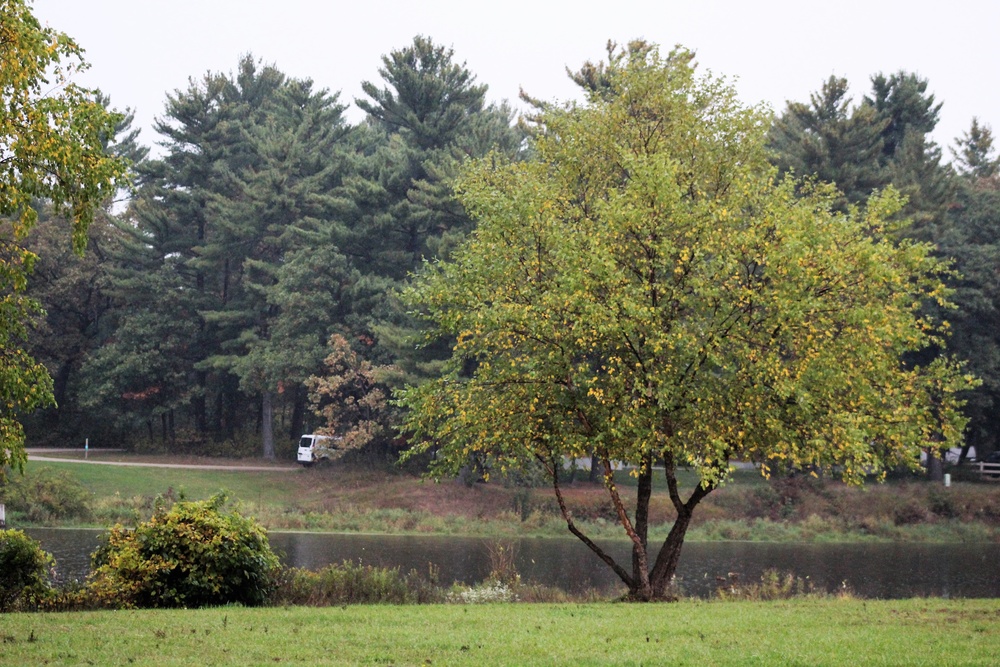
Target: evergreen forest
x=246 y=289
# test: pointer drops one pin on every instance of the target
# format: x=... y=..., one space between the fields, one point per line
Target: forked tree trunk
x=644 y=492
x=662 y=574
x=644 y=583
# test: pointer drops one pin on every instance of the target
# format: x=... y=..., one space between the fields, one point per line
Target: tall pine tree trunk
x=267 y=427
x=198 y=402
x=298 y=412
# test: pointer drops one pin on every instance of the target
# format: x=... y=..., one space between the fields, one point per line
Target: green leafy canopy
x=646 y=286
x=53 y=135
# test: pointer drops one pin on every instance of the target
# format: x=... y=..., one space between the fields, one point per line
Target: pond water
x=870 y=570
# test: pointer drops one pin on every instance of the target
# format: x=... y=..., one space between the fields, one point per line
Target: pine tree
x=424 y=122
x=911 y=159
x=905 y=108
x=971 y=238
x=829 y=140
x=430 y=116
x=250 y=178
x=974 y=152
x=265 y=214
x=881 y=141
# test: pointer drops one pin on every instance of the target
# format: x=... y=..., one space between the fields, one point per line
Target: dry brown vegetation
x=385 y=498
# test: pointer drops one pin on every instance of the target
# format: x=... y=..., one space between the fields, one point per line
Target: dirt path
x=36 y=455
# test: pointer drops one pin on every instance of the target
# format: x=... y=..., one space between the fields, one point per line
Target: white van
x=316 y=448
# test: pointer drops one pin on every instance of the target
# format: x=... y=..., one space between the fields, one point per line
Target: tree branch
x=553 y=471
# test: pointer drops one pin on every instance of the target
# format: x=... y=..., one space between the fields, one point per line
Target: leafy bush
x=44 y=494
x=24 y=570
x=194 y=554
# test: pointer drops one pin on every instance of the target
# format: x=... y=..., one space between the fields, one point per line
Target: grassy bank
x=796 y=632
x=387 y=500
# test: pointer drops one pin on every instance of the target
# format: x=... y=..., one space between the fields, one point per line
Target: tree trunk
x=267 y=430
x=198 y=402
x=232 y=405
x=553 y=471
x=639 y=589
x=594 y=472
x=298 y=413
x=662 y=574
x=644 y=584
x=60 y=384
x=217 y=414
x=935 y=466
x=964 y=454
x=669 y=557
x=643 y=493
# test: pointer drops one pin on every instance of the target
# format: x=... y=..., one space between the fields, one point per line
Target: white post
x=86 y=447
x=947 y=480
x=3 y=517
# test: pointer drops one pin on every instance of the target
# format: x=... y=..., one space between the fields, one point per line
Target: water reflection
x=870 y=570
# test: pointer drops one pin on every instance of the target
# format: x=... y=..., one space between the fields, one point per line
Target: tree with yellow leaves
x=647 y=288
x=52 y=152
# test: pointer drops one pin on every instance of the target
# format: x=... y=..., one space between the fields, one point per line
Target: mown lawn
x=797 y=632
x=106 y=480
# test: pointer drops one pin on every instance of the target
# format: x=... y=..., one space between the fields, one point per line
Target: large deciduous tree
x=52 y=149
x=647 y=288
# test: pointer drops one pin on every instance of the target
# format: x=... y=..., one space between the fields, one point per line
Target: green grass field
x=102 y=481
x=798 y=632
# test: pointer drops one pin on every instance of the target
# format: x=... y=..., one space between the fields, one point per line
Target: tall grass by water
x=390 y=501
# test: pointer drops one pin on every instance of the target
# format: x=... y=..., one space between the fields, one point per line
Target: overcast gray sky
x=777 y=50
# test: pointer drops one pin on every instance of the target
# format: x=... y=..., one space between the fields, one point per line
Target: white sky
x=777 y=50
